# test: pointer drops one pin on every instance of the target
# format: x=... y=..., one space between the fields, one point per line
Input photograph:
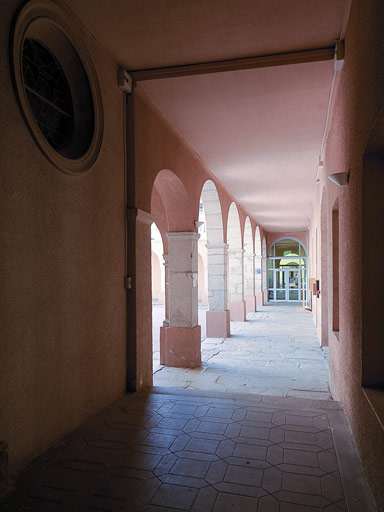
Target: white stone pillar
x=258 y=283
x=163 y=270
x=249 y=282
x=236 y=301
x=218 y=321
x=205 y=291
x=180 y=340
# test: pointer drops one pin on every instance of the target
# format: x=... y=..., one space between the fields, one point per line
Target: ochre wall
x=358 y=102
x=63 y=317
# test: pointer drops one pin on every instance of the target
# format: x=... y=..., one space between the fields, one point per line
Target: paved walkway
x=276 y=352
x=183 y=452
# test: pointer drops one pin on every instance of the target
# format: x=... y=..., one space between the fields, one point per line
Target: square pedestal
x=218 y=324
x=259 y=299
x=180 y=346
x=250 y=304
x=238 y=311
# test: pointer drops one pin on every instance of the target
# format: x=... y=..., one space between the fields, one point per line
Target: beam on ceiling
x=278 y=59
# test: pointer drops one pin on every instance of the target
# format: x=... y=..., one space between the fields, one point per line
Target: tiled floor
x=182 y=452
x=276 y=352
x=240 y=439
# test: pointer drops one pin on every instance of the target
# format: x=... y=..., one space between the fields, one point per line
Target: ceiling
x=258 y=130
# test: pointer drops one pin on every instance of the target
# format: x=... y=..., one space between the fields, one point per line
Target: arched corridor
x=191 y=220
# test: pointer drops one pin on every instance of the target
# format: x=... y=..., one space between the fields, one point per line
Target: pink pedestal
x=259 y=299
x=250 y=303
x=180 y=346
x=238 y=311
x=218 y=324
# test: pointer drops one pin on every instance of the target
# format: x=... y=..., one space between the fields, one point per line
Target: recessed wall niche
x=57 y=86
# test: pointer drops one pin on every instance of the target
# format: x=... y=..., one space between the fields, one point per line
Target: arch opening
x=235 y=266
x=287 y=271
x=249 y=268
x=158 y=291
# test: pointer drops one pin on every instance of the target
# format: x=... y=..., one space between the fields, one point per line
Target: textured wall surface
x=62 y=256
x=358 y=103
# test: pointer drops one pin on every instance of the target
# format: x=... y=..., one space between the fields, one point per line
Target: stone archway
x=264 y=276
x=249 y=268
x=236 y=301
x=218 y=324
x=258 y=268
x=180 y=335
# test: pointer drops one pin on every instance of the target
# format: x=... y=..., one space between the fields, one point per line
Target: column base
x=237 y=311
x=180 y=346
x=259 y=299
x=218 y=324
x=250 y=304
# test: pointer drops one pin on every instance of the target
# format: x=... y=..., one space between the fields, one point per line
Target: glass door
x=281 y=284
x=293 y=285
x=287 y=285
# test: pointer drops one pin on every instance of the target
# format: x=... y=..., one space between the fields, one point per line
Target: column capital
x=221 y=245
x=183 y=235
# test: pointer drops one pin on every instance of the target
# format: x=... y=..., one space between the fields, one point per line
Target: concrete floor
x=228 y=443
x=276 y=352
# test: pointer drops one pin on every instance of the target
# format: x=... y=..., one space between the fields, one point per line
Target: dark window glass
x=48 y=93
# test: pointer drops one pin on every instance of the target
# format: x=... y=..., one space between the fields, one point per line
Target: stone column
x=180 y=336
x=218 y=321
x=161 y=297
x=236 y=302
x=249 y=282
x=258 y=283
x=264 y=280
x=205 y=291
x=166 y=308
x=165 y=283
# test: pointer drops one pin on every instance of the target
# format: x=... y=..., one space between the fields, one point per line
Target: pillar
x=161 y=297
x=180 y=336
x=205 y=291
x=249 y=282
x=258 y=283
x=236 y=302
x=139 y=300
x=218 y=317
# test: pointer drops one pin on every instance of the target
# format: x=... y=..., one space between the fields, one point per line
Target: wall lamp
x=340 y=178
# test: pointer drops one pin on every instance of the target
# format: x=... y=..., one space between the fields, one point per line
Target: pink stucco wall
x=63 y=321
x=358 y=103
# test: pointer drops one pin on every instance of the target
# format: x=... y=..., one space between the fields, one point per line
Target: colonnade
x=232 y=278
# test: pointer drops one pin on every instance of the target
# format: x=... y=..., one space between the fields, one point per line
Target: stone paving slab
x=213 y=452
x=276 y=352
